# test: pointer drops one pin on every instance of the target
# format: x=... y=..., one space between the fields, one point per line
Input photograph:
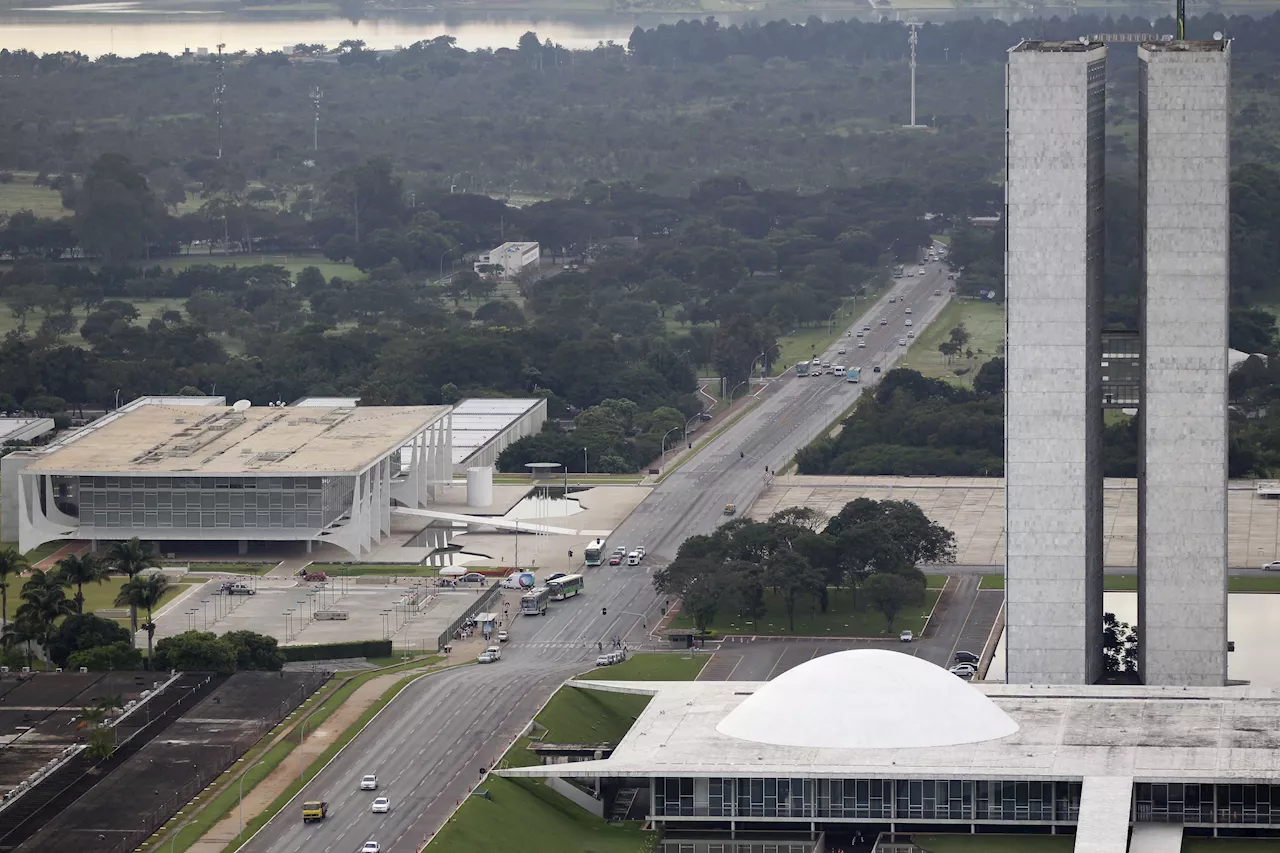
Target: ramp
x=1104 y=815
x=1156 y=838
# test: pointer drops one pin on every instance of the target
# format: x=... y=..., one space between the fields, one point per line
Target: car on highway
x=615 y=560
x=908 y=312
x=610 y=658
x=883 y=321
x=910 y=274
x=730 y=509
x=921 y=270
x=867 y=327
x=965 y=657
x=875 y=369
x=1273 y=566
x=633 y=559
x=841 y=351
x=381 y=805
x=493 y=654
x=906 y=637
x=370 y=847
x=908 y=324
x=642 y=552
x=862 y=344
x=911 y=334
x=369 y=783
x=859 y=333
x=937 y=293
x=503 y=636
x=892 y=299
x=902 y=342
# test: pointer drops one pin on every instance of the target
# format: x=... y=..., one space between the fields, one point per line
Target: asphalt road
x=428 y=745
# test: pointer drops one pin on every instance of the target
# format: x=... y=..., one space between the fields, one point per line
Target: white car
x=642 y=552
x=1273 y=566
x=370 y=847
x=908 y=312
x=902 y=342
x=859 y=334
x=883 y=321
x=381 y=805
x=911 y=334
x=503 y=636
x=921 y=270
x=369 y=783
x=862 y=344
x=910 y=274
x=906 y=637
x=840 y=351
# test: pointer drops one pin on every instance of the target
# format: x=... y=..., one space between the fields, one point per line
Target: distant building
x=509 y=259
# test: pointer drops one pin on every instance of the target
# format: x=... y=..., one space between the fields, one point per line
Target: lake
x=127 y=28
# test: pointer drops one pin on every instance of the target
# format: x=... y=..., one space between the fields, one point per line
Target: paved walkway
x=265 y=792
x=75 y=546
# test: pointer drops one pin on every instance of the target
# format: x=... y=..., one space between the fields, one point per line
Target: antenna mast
x=218 y=91
x=316 y=96
x=912 y=39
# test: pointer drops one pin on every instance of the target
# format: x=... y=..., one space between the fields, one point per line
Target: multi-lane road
x=428 y=746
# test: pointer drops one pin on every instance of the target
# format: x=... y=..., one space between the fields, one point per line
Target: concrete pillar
x=242 y=546
x=309 y=542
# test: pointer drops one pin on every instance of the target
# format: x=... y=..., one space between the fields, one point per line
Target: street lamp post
x=663 y=458
x=205 y=604
x=584 y=460
x=242 y=775
x=443 y=255
x=302 y=735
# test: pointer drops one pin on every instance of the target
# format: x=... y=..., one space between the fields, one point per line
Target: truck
x=314 y=810
x=853 y=374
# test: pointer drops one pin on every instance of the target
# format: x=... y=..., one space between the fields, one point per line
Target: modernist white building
x=181 y=469
x=512 y=257
x=874 y=741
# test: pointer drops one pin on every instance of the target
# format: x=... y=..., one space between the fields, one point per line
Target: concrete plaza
x=973 y=509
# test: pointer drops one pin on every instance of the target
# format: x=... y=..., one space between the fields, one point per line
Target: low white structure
x=194 y=469
x=875 y=740
x=484 y=426
x=511 y=257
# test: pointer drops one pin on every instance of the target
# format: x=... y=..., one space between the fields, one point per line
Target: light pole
x=663 y=458
x=242 y=775
x=205 y=603
x=584 y=460
x=174 y=841
x=442 y=257
x=686 y=426
x=302 y=735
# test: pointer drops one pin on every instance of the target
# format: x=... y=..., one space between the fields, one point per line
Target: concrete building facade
x=1055 y=105
x=1184 y=165
x=183 y=470
x=511 y=257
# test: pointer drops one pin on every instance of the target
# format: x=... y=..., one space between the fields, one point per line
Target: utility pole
x=218 y=91
x=912 y=39
x=316 y=97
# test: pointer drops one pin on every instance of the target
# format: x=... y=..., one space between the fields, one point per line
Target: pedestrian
x=601 y=645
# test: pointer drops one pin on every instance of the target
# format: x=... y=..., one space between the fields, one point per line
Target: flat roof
x=1064 y=733
x=1037 y=46
x=173 y=439
x=24 y=429
x=1187 y=46
x=478 y=421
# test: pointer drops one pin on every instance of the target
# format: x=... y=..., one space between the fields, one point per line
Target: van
x=633 y=559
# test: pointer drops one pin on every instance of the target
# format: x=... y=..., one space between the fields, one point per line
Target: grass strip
x=992 y=581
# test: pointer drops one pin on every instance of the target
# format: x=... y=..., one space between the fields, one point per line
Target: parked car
x=1273 y=566
x=906 y=637
x=237 y=589
x=381 y=805
x=554 y=576
x=473 y=577
x=966 y=657
x=369 y=783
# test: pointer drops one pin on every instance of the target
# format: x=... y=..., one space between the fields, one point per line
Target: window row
x=1220 y=804
x=92 y=499
x=276 y=484
x=872 y=799
x=111 y=519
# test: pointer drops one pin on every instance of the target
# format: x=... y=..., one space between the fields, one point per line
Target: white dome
x=867 y=699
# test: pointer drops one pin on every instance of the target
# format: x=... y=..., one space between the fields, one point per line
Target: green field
x=23 y=194
x=992 y=581
x=147 y=308
x=836 y=622
x=1231 y=845
x=985 y=323
x=294 y=263
x=802 y=344
x=97 y=596
x=995 y=843
x=651 y=667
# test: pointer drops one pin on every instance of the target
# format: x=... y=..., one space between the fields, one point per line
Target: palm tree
x=77 y=571
x=22 y=631
x=130 y=557
x=44 y=602
x=144 y=592
x=11 y=563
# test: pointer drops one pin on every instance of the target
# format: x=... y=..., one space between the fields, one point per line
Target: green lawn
x=934 y=581
x=1230 y=845
x=992 y=582
x=651 y=667
x=985 y=323
x=526 y=815
x=96 y=596
x=147 y=308
x=995 y=843
x=294 y=263
x=802 y=344
x=836 y=622
x=23 y=194
x=575 y=715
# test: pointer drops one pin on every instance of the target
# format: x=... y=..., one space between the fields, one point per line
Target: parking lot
x=410 y=611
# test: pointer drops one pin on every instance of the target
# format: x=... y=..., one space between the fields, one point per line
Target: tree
x=1119 y=645
x=791 y=577
x=12 y=564
x=702 y=601
x=194 y=651
x=108 y=658
x=84 y=632
x=889 y=593
x=22 y=631
x=116 y=214
x=144 y=591
x=44 y=602
x=254 y=651
x=76 y=570
x=128 y=557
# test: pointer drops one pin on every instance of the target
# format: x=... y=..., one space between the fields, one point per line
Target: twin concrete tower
x=1062 y=371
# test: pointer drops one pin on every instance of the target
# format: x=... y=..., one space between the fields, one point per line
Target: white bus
x=566 y=587
x=595 y=553
x=534 y=602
